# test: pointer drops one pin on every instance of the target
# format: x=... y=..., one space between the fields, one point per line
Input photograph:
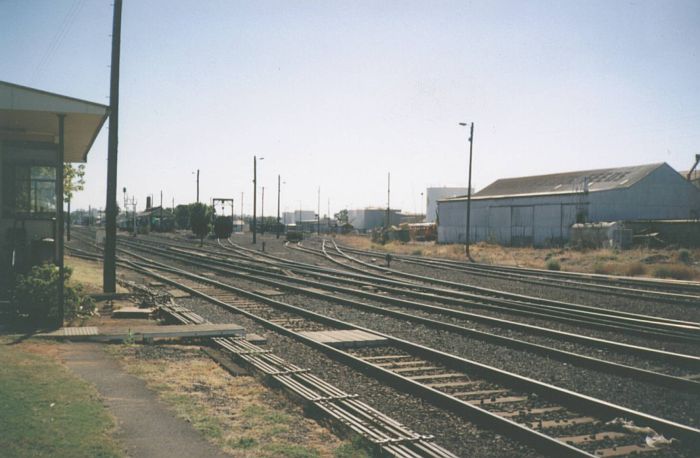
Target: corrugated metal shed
x=540 y=210
x=568 y=182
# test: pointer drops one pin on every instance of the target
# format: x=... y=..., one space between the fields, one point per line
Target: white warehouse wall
x=663 y=194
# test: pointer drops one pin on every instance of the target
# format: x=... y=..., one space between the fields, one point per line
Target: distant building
x=366 y=219
x=298 y=216
x=432 y=195
x=540 y=210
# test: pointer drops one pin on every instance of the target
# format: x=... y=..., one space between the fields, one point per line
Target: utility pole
x=279 y=181
x=262 y=212
x=59 y=219
x=388 y=200
x=197 y=185
x=109 y=272
x=255 y=198
x=469 y=187
x=318 y=215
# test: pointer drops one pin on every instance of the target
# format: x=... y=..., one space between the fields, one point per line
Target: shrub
x=603 y=269
x=674 y=271
x=37 y=295
x=417 y=252
x=683 y=256
x=636 y=268
x=553 y=264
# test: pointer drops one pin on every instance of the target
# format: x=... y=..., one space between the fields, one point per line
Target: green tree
x=200 y=220
x=73 y=181
x=182 y=216
x=342 y=217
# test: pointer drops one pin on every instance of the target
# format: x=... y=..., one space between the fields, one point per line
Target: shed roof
x=566 y=183
x=28 y=114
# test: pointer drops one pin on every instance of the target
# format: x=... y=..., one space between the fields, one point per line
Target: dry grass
x=239 y=414
x=89 y=274
x=663 y=263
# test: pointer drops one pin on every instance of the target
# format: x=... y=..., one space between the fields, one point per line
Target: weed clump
x=553 y=264
x=674 y=271
x=636 y=268
x=603 y=268
x=684 y=256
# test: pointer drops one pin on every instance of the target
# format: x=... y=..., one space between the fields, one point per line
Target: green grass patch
x=47 y=411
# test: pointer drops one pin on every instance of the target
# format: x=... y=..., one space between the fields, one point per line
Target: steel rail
x=562 y=283
x=689 y=288
x=594 y=313
x=533 y=310
x=530 y=309
x=664 y=380
x=543 y=442
x=194 y=256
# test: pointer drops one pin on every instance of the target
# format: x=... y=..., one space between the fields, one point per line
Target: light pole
x=388 y=201
x=197 y=172
x=279 y=187
x=255 y=198
x=469 y=186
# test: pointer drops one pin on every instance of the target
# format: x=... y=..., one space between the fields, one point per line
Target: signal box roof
x=28 y=114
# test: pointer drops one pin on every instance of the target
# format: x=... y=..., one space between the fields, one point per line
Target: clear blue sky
x=336 y=94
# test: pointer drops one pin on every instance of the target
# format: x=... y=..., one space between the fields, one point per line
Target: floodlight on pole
x=469 y=187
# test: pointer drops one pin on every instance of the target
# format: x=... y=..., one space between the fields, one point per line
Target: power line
x=58 y=38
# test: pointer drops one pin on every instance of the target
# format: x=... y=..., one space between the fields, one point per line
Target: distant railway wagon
x=39 y=133
x=294 y=233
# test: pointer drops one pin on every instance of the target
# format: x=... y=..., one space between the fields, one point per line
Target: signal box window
x=30 y=190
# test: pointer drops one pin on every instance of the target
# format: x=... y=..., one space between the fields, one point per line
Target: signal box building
x=540 y=210
x=39 y=132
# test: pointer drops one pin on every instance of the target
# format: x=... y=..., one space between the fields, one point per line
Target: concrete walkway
x=146 y=427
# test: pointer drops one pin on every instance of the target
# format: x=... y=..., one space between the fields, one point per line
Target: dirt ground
x=679 y=264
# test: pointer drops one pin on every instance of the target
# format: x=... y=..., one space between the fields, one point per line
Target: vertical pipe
x=469 y=189
x=109 y=273
x=59 y=217
x=278 y=205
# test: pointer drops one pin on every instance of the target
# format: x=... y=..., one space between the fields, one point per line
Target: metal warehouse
x=539 y=210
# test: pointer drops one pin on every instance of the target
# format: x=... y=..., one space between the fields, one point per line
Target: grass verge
x=45 y=411
x=239 y=414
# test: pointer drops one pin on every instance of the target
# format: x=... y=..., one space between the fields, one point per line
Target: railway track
x=666 y=291
x=470 y=296
x=388 y=436
x=555 y=421
x=677 y=371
